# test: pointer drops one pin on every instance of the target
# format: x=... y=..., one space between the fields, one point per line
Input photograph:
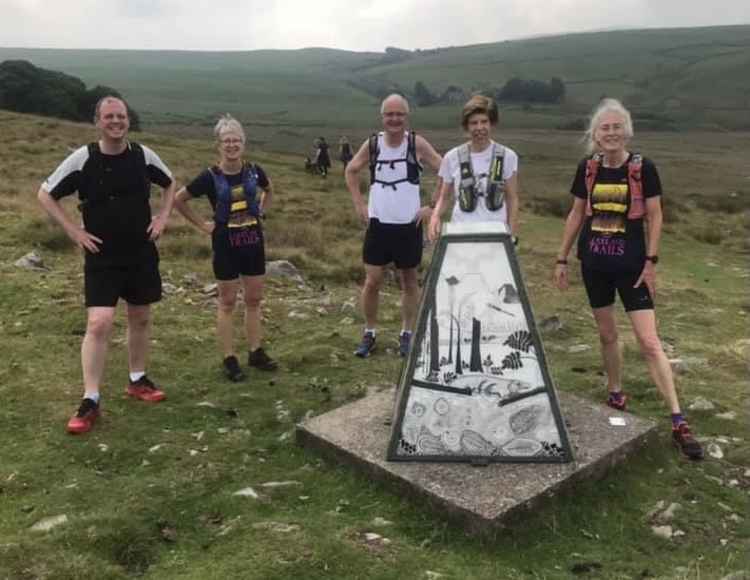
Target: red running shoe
x=618 y=403
x=84 y=418
x=145 y=390
x=685 y=442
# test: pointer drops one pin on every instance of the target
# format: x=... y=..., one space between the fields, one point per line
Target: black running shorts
x=238 y=252
x=138 y=284
x=397 y=243
x=601 y=286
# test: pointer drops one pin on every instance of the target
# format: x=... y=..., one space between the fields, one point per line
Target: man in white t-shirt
x=393 y=214
x=482 y=174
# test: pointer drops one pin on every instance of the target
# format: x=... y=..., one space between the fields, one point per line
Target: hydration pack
x=413 y=168
x=99 y=188
x=224 y=203
x=637 y=208
x=468 y=196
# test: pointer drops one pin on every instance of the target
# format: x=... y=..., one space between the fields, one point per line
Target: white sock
x=93 y=396
x=137 y=375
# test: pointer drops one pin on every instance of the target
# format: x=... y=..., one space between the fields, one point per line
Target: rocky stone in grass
x=247 y=492
x=551 y=324
x=379 y=522
x=430 y=575
x=277 y=527
x=275 y=484
x=349 y=307
x=715 y=451
x=190 y=279
x=347 y=321
x=31 y=261
x=701 y=404
x=668 y=514
x=169 y=288
x=577 y=348
x=46 y=524
x=283 y=269
x=664 y=532
x=728 y=416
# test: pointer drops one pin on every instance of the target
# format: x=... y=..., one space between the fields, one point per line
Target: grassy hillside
x=149 y=492
x=674 y=78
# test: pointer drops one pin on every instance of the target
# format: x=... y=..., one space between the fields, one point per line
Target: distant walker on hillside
x=113 y=177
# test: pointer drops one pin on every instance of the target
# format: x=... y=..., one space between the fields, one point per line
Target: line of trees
x=25 y=88
x=516 y=90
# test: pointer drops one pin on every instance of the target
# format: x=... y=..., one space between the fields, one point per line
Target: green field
x=149 y=492
x=691 y=78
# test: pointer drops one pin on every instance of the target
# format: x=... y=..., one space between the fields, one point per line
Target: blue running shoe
x=367 y=346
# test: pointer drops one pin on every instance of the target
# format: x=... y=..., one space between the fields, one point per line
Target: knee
x=608 y=336
x=99 y=327
x=226 y=304
x=252 y=301
x=372 y=285
x=650 y=346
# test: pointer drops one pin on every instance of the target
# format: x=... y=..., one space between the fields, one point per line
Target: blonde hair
x=606 y=106
x=228 y=124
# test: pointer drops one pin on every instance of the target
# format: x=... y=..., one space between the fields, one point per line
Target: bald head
x=396 y=100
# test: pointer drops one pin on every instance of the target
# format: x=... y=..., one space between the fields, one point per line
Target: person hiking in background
x=345 y=151
x=113 y=177
x=617 y=216
x=323 y=158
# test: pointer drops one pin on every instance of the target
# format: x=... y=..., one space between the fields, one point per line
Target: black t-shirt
x=114 y=199
x=609 y=241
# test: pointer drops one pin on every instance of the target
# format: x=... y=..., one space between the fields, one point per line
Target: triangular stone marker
x=475 y=386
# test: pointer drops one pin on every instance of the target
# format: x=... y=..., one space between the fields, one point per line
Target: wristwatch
x=653 y=259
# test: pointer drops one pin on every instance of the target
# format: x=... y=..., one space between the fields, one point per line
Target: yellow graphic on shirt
x=239 y=216
x=609 y=204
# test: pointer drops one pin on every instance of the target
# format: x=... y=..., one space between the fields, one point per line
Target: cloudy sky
x=348 y=24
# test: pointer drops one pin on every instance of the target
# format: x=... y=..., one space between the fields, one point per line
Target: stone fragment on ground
x=577 y=348
x=283 y=269
x=273 y=484
x=551 y=324
x=668 y=514
x=662 y=531
x=701 y=404
x=31 y=261
x=715 y=451
x=379 y=522
x=278 y=527
x=247 y=492
x=728 y=416
x=49 y=523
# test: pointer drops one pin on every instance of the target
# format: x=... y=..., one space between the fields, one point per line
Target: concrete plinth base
x=481 y=498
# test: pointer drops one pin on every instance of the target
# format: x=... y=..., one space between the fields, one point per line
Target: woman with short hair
x=617 y=210
x=239 y=193
x=482 y=173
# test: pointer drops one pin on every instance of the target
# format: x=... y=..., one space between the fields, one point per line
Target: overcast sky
x=347 y=24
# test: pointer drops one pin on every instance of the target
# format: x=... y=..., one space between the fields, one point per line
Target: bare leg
x=409 y=298
x=371 y=294
x=610 y=345
x=139 y=333
x=253 y=290
x=95 y=345
x=644 y=326
x=224 y=313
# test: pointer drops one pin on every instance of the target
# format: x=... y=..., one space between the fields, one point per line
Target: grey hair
x=397 y=96
x=606 y=106
x=228 y=124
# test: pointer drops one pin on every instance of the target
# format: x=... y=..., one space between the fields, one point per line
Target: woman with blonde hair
x=617 y=210
x=239 y=193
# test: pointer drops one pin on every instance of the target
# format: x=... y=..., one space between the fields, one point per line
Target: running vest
x=413 y=168
x=468 y=197
x=637 y=207
x=98 y=187
x=224 y=203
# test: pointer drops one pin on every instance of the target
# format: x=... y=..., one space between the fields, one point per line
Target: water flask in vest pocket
x=467 y=198
x=495 y=197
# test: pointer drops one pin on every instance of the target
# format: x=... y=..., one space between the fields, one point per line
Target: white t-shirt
x=393 y=204
x=450 y=171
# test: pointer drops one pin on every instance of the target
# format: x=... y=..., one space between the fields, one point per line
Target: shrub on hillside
x=25 y=88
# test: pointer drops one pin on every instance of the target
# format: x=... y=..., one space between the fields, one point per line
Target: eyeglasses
x=230 y=141
x=396 y=114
